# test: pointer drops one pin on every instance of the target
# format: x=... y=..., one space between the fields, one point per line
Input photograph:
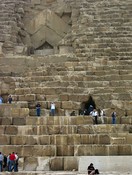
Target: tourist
x=102 y=114
x=16 y=162
x=113 y=115
x=12 y=158
x=94 y=114
x=1 y=100
x=90 y=109
x=8 y=162
x=5 y=163
x=92 y=170
x=52 y=109
x=38 y=109
x=1 y=161
x=9 y=99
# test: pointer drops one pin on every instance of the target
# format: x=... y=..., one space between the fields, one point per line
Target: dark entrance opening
x=88 y=106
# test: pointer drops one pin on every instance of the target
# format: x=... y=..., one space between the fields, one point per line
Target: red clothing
x=12 y=157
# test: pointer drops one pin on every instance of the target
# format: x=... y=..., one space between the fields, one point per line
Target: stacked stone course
x=99 y=66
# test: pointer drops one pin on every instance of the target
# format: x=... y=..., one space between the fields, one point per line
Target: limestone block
x=30 y=163
x=113 y=150
x=6 y=149
x=28 y=130
x=35 y=2
x=4 y=140
x=37 y=90
x=15 y=112
x=43 y=130
x=30 y=97
x=50 y=120
x=70 y=163
x=31 y=120
x=99 y=150
x=83 y=150
x=19 y=91
x=5 y=121
x=124 y=149
x=87 y=129
x=28 y=151
x=51 y=97
x=24 y=112
x=22 y=104
x=50 y=1
x=104 y=139
x=69 y=129
x=11 y=130
x=64 y=97
x=65 y=150
x=57 y=164
x=43 y=164
x=2 y=129
x=44 y=140
x=18 y=140
x=126 y=120
x=45 y=150
x=40 y=97
x=18 y=121
x=67 y=105
x=74 y=139
x=65 y=49
x=129 y=139
x=53 y=129
x=61 y=140
x=118 y=140
x=48 y=91
x=1 y=50
x=19 y=49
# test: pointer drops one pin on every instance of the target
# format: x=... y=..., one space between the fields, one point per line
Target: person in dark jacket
x=92 y=170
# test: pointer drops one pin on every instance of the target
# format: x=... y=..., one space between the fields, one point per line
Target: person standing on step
x=52 y=109
x=113 y=115
x=94 y=114
x=1 y=162
x=102 y=114
x=9 y=99
x=38 y=109
x=1 y=100
x=12 y=159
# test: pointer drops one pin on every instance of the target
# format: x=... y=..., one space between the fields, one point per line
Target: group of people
x=99 y=113
x=52 y=109
x=9 y=163
x=9 y=100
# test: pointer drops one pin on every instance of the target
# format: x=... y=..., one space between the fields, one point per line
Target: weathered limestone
x=94 y=46
x=45 y=27
x=108 y=166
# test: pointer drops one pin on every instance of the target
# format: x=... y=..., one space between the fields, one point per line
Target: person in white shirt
x=52 y=109
x=94 y=114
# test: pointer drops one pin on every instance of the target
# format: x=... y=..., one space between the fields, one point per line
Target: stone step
x=95 y=76
x=34 y=120
x=64 y=139
x=69 y=91
x=70 y=139
x=28 y=151
x=76 y=84
x=46 y=120
x=51 y=129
